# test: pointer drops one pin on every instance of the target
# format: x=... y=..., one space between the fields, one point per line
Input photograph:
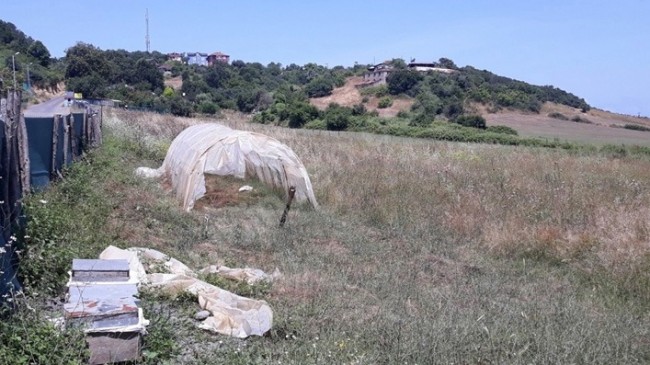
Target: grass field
x=422 y=252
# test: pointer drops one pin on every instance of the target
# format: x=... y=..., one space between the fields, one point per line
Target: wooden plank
x=113 y=347
x=74 y=138
x=55 y=140
x=23 y=146
x=66 y=140
x=100 y=270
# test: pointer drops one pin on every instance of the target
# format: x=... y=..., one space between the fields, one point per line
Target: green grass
x=422 y=251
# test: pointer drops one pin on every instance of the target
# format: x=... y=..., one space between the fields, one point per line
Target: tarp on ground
x=231 y=314
x=216 y=149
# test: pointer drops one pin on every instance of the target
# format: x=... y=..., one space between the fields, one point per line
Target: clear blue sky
x=596 y=49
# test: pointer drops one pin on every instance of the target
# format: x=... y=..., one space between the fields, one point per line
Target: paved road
x=48 y=108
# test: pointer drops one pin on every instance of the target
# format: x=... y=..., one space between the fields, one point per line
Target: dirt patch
x=223 y=191
x=349 y=95
x=174 y=82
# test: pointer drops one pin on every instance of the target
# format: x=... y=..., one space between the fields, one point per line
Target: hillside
x=29 y=57
x=349 y=95
x=596 y=126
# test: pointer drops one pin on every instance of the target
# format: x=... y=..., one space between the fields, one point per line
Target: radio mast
x=146 y=38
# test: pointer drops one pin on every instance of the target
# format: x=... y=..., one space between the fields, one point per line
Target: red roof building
x=218 y=57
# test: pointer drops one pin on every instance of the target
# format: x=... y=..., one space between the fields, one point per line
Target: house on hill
x=218 y=57
x=197 y=58
x=175 y=56
x=377 y=75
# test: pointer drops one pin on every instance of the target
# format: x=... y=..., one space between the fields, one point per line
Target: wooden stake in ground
x=292 y=192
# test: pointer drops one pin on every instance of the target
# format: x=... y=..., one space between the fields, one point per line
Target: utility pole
x=29 y=81
x=146 y=38
x=13 y=62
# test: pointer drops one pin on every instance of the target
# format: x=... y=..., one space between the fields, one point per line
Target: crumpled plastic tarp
x=247 y=274
x=216 y=149
x=232 y=315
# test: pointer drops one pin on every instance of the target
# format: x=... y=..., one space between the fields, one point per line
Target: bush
x=208 y=107
x=579 y=119
x=403 y=114
x=316 y=124
x=502 y=129
x=402 y=81
x=377 y=91
x=359 y=109
x=474 y=121
x=319 y=87
x=556 y=115
x=180 y=107
x=636 y=127
x=337 y=118
x=301 y=113
x=385 y=102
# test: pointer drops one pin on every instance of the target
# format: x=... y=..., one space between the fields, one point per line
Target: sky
x=598 y=50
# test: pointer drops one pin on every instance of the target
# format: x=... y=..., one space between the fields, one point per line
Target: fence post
x=23 y=152
x=66 y=141
x=55 y=140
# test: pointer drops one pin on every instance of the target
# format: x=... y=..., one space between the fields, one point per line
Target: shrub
x=359 y=109
x=402 y=81
x=316 y=124
x=502 y=129
x=180 y=107
x=319 y=87
x=556 y=115
x=403 y=114
x=301 y=113
x=385 y=102
x=208 y=107
x=337 y=118
x=636 y=127
x=377 y=91
x=474 y=121
x=579 y=119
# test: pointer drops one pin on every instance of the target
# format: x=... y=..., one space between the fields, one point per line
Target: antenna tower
x=146 y=37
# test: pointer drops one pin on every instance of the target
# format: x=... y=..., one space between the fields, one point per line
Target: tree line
x=274 y=93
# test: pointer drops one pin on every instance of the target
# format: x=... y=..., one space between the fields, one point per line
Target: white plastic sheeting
x=230 y=314
x=216 y=149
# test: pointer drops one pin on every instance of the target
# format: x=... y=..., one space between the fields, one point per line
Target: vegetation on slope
x=44 y=71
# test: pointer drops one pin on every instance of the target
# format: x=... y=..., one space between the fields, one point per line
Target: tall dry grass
x=432 y=252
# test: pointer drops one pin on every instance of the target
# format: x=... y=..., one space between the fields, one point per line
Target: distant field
x=599 y=131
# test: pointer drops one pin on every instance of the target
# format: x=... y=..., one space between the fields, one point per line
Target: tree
x=40 y=52
x=447 y=63
x=147 y=73
x=301 y=113
x=85 y=59
x=217 y=75
x=319 y=87
x=401 y=81
x=337 y=118
x=92 y=86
